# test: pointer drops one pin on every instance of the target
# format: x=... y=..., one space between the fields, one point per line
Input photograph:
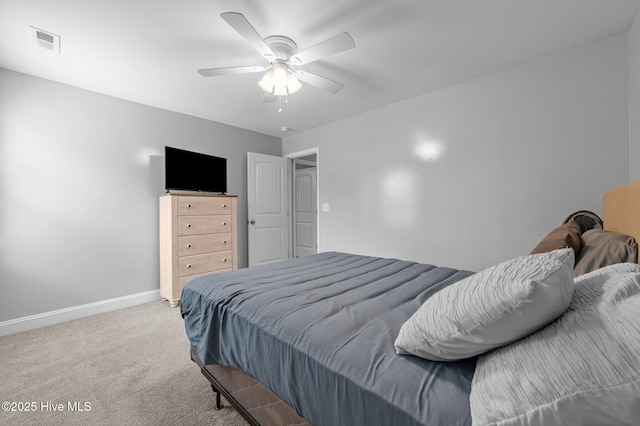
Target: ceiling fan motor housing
x=283 y=47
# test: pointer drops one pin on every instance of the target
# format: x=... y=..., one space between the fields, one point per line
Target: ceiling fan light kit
x=280 y=81
x=282 y=54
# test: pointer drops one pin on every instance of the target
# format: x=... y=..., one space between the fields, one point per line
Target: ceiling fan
x=282 y=57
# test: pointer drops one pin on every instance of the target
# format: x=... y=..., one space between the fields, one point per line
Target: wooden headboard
x=621 y=210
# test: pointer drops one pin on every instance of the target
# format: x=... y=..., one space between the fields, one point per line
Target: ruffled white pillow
x=489 y=309
x=582 y=369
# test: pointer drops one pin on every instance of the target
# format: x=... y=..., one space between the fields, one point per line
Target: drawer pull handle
x=224 y=206
x=224 y=242
x=224 y=260
x=188 y=206
x=188 y=225
x=224 y=223
x=188 y=245
x=189 y=266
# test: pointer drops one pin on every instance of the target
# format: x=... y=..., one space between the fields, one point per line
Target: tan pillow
x=602 y=248
x=567 y=235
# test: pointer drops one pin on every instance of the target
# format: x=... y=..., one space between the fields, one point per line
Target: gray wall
x=479 y=172
x=520 y=149
x=80 y=176
x=634 y=99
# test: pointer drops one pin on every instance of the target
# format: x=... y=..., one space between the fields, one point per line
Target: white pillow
x=583 y=369
x=491 y=308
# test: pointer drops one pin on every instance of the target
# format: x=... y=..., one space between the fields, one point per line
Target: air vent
x=45 y=40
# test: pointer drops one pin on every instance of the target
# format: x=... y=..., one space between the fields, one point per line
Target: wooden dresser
x=198 y=236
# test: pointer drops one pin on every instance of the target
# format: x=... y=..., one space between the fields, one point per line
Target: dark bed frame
x=255 y=403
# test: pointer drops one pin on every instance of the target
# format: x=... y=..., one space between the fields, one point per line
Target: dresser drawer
x=194 y=206
x=185 y=280
x=201 y=263
x=196 y=225
x=198 y=244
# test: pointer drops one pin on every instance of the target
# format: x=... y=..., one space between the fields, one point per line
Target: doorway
x=282 y=206
x=304 y=206
x=303 y=185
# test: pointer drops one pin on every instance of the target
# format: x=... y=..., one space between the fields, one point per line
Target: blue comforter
x=319 y=332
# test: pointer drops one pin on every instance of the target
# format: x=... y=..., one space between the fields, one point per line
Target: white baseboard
x=53 y=317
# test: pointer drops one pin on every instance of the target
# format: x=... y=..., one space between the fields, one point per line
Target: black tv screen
x=193 y=171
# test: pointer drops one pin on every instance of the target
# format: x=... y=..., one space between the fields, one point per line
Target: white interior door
x=305 y=212
x=267 y=208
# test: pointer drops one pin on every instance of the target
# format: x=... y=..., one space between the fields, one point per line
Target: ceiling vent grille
x=45 y=40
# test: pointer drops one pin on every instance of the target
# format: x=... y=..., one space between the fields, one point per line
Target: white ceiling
x=149 y=51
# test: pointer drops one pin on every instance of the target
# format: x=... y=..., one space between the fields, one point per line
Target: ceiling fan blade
x=211 y=72
x=331 y=46
x=320 y=82
x=246 y=30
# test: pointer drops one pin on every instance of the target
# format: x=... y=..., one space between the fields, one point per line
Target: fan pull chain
x=286 y=101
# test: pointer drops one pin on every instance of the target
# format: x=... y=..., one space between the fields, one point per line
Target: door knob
x=253 y=222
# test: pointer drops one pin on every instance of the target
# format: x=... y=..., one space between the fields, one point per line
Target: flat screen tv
x=193 y=171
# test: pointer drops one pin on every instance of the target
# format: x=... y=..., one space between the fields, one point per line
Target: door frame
x=291 y=176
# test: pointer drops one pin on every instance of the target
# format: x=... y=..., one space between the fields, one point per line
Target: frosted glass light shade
x=266 y=82
x=293 y=85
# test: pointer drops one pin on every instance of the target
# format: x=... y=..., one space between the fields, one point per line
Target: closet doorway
x=304 y=205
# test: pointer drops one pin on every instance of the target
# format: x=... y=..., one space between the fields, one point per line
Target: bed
x=344 y=339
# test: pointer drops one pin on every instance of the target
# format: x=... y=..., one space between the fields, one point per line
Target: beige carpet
x=130 y=366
